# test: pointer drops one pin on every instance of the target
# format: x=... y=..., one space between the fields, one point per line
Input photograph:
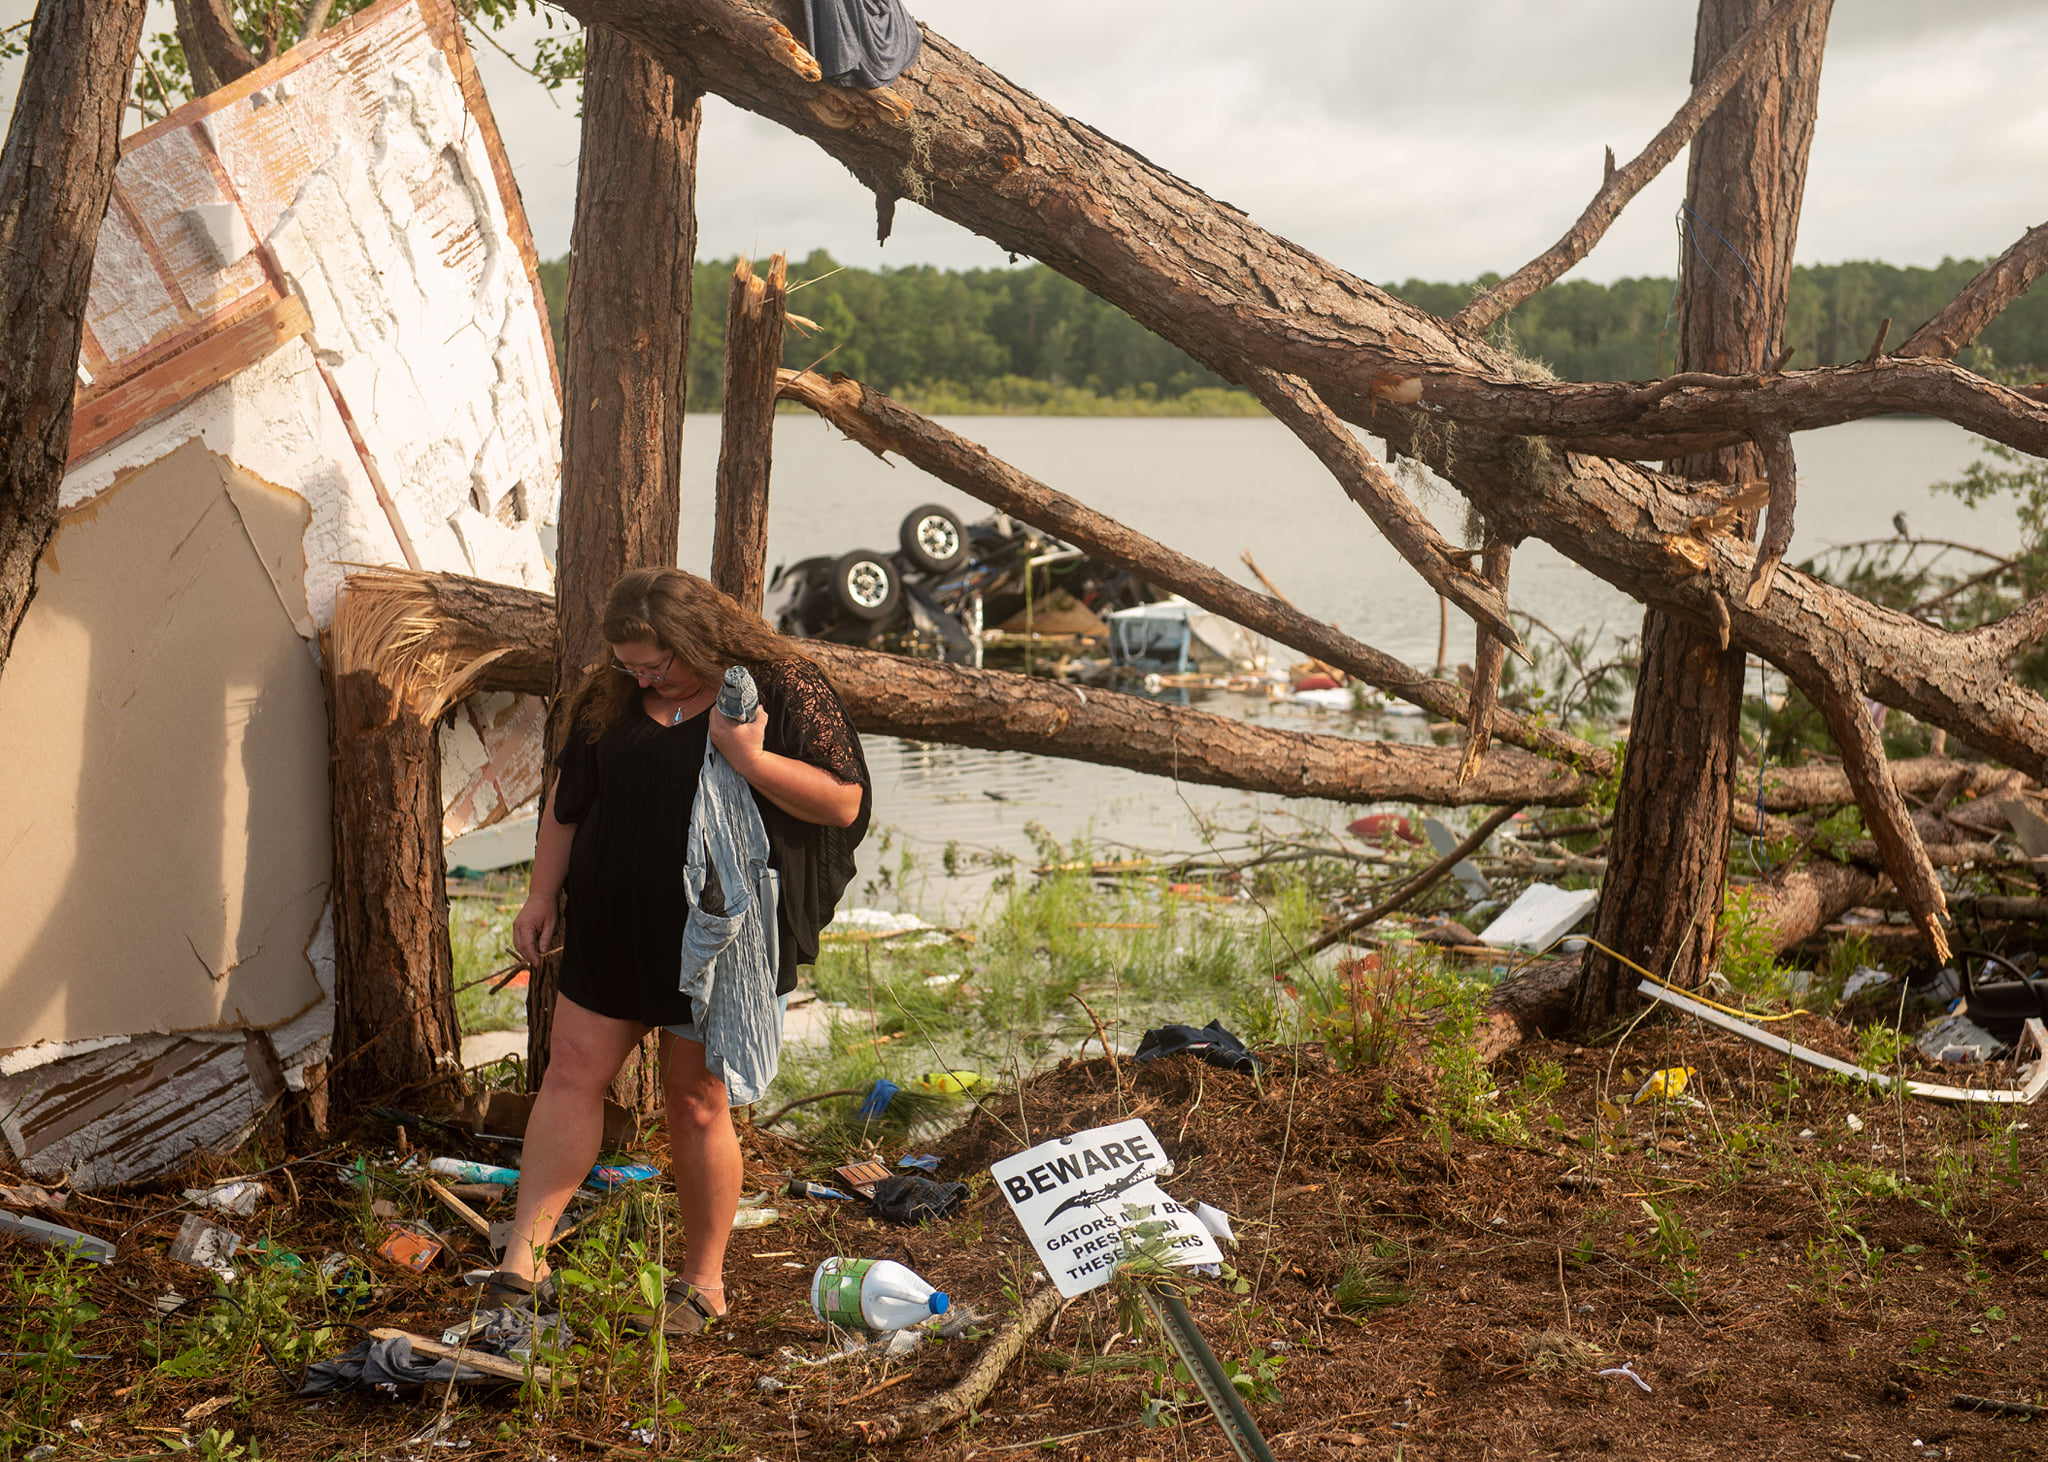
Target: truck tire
x=934 y=540
x=865 y=586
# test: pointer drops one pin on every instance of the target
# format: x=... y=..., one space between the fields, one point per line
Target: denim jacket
x=730 y=956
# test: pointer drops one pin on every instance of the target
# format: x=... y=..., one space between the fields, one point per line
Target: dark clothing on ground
x=630 y=794
x=866 y=43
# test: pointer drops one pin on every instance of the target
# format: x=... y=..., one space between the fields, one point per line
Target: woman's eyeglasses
x=651 y=677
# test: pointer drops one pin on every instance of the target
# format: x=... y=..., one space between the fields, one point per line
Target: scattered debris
x=36 y=1230
x=473 y=1172
x=410 y=1243
x=2034 y=1040
x=1626 y=1368
x=205 y=1246
x=1666 y=1085
x=908 y=1198
x=1541 y=916
x=605 y=1177
x=862 y=1176
x=876 y=1102
x=1474 y=882
x=239 y=1197
x=2026 y=1410
x=1212 y=1043
x=1957 y=1040
x=877 y=1295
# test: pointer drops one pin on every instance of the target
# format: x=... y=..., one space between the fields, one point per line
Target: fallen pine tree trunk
x=924 y=700
x=1800 y=902
x=498 y=637
x=1822 y=784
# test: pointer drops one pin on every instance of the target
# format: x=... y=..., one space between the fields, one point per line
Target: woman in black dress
x=613 y=833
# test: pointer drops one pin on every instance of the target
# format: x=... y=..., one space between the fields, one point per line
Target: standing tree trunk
x=628 y=332
x=56 y=176
x=215 y=53
x=1668 y=858
x=753 y=353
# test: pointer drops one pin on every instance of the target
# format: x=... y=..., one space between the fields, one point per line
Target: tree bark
x=214 y=50
x=753 y=354
x=1668 y=855
x=1799 y=902
x=394 y=1005
x=56 y=175
x=627 y=367
x=927 y=700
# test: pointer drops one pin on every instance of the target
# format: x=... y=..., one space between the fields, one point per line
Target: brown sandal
x=685 y=1310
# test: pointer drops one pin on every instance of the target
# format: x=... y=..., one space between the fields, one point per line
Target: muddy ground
x=1806 y=1296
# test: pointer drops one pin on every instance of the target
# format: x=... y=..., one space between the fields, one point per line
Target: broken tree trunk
x=56 y=176
x=882 y=425
x=1799 y=902
x=394 y=1004
x=928 y=700
x=753 y=354
x=623 y=385
x=997 y=160
x=1668 y=855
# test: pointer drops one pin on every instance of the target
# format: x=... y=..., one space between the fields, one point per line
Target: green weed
x=50 y=1290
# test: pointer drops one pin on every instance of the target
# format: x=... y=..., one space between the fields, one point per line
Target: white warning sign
x=1082 y=1197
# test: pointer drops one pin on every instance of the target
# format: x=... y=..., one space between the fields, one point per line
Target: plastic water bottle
x=472 y=1172
x=877 y=1294
x=737 y=696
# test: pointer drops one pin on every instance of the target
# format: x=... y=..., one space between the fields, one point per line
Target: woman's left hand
x=740 y=744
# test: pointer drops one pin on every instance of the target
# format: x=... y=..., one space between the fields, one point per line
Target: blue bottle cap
x=938 y=1302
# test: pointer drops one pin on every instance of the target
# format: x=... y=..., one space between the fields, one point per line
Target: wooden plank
x=491 y=1365
x=460 y=1209
x=162 y=388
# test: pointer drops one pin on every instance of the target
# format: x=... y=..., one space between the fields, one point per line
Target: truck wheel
x=934 y=540
x=865 y=586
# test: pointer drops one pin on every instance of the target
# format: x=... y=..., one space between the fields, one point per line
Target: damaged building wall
x=315 y=339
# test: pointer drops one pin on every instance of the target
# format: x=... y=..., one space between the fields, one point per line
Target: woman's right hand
x=533 y=930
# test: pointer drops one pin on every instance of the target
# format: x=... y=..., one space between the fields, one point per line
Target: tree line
x=1027 y=340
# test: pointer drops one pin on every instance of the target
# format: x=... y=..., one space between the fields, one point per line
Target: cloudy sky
x=1400 y=140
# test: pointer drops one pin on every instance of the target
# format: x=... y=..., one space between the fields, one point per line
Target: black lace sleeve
x=808 y=720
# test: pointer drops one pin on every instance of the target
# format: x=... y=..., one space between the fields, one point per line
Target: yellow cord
x=1657 y=979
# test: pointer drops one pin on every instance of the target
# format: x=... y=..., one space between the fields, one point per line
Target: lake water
x=1213 y=489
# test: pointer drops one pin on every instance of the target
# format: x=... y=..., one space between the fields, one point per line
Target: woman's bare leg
x=706 y=1152
x=566 y=1128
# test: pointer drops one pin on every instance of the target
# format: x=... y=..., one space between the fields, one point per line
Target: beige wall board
x=276 y=421
x=164 y=832
x=275 y=519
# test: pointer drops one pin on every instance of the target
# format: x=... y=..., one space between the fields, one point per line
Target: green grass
x=1006 y=1004
x=480 y=937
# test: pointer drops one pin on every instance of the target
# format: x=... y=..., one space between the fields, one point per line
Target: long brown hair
x=703 y=627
